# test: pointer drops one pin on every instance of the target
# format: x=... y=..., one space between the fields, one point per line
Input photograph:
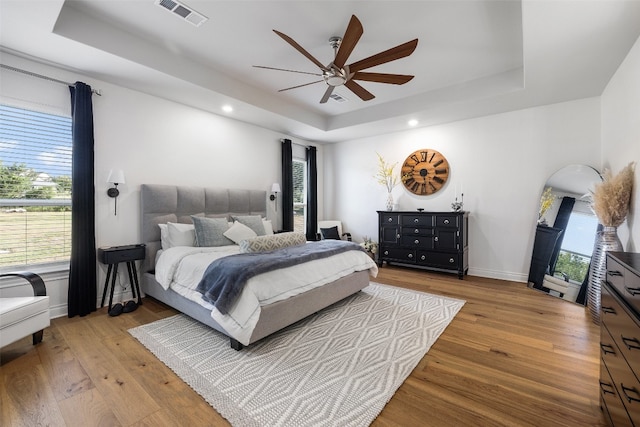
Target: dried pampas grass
x=612 y=196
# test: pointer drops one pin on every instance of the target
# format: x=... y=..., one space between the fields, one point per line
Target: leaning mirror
x=565 y=234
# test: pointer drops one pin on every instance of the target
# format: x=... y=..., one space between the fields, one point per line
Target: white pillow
x=268 y=227
x=177 y=234
x=239 y=232
x=164 y=236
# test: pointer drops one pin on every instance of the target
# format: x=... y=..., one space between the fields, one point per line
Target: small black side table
x=114 y=255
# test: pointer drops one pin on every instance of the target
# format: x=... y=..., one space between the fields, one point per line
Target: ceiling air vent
x=338 y=98
x=183 y=11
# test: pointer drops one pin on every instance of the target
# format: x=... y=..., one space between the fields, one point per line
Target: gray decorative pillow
x=254 y=222
x=210 y=231
x=272 y=242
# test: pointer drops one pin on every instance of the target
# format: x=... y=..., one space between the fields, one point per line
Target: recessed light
x=227 y=108
x=412 y=122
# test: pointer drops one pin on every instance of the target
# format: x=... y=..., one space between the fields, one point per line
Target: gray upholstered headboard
x=169 y=203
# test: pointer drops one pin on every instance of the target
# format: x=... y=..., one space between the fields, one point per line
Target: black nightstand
x=114 y=255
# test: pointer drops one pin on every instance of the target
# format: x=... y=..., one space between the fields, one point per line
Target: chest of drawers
x=429 y=240
x=620 y=340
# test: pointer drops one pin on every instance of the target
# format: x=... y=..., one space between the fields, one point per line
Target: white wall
x=499 y=162
x=155 y=141
x=621 y=135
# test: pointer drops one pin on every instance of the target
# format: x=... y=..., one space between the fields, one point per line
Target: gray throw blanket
x=225 y=278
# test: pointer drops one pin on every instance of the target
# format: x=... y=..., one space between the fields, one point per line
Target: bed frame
x=167 y=203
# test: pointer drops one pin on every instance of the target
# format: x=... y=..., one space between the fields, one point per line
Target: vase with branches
x=610 y=201
x=387 y=177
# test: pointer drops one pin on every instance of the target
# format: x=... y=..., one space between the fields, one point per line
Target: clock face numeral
x=425 y=172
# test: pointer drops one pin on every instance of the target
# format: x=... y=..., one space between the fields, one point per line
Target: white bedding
x=181 y=268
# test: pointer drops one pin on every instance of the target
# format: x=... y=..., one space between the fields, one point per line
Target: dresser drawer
x=389 y=219
x=622 y=327
x=446 y=221
x=624 y=380
x=416 y=231
x=417 y=220
x=438 y=259
x=400 y=254
x=625 y=282
x=417 y=241
x=611 y=400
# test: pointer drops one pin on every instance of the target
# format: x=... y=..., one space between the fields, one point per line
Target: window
x=299 y=195
x=577 y=245
x=35 y=187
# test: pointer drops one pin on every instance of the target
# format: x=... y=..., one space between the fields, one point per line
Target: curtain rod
x=40 y=76
x=295 y=143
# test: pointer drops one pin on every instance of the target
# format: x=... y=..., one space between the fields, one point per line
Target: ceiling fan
x=337 y=73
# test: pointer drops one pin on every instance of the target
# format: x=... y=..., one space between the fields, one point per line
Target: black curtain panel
x=312 y=194
x=287 y=186
x=82 y=269
x=562 y=219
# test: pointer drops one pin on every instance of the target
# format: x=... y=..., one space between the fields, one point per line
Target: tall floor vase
x=606 y=240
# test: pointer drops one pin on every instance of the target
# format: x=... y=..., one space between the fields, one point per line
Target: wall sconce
x=275 y=189
x=115 y=177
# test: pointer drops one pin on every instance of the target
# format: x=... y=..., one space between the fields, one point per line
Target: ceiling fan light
x=335 y=80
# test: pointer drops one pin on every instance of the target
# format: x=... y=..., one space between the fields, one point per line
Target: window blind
x=35 y=187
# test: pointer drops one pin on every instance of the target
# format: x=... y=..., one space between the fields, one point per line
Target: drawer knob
x=446 y=221
x=416 y=220
x=423 y=257
x=451 y=260
x=390 y=220
x=607 y=348
x=416 y=231
x=606 y=388
x=410 y=255
x=416 y=241
x=631 y=343
x=435 y=238
x=633 y=390
x=632 y=291
x=397 y=236
x=386 y=252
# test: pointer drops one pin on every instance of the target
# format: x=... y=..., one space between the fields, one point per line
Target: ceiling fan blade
x=361 y=92
x=349 y=41
x=295 y=87
x=300 y=49
x=327 y=94
x=389 y=55
x=289 y=71
x=394 y=79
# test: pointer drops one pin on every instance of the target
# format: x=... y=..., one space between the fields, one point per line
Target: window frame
x=47 y=138
x=303 y=205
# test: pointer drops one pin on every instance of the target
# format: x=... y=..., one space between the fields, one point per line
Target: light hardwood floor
x=511 y=357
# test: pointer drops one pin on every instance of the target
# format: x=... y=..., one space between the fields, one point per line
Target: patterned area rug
x=338 y=367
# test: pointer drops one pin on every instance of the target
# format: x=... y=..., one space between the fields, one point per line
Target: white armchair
x=22 y=316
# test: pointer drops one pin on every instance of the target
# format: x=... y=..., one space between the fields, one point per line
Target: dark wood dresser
x=620 y=340
x=430 y=240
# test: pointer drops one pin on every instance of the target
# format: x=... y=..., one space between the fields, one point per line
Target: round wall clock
x=424 y=172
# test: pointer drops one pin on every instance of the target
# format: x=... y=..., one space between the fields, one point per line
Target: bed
x=164 y=204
